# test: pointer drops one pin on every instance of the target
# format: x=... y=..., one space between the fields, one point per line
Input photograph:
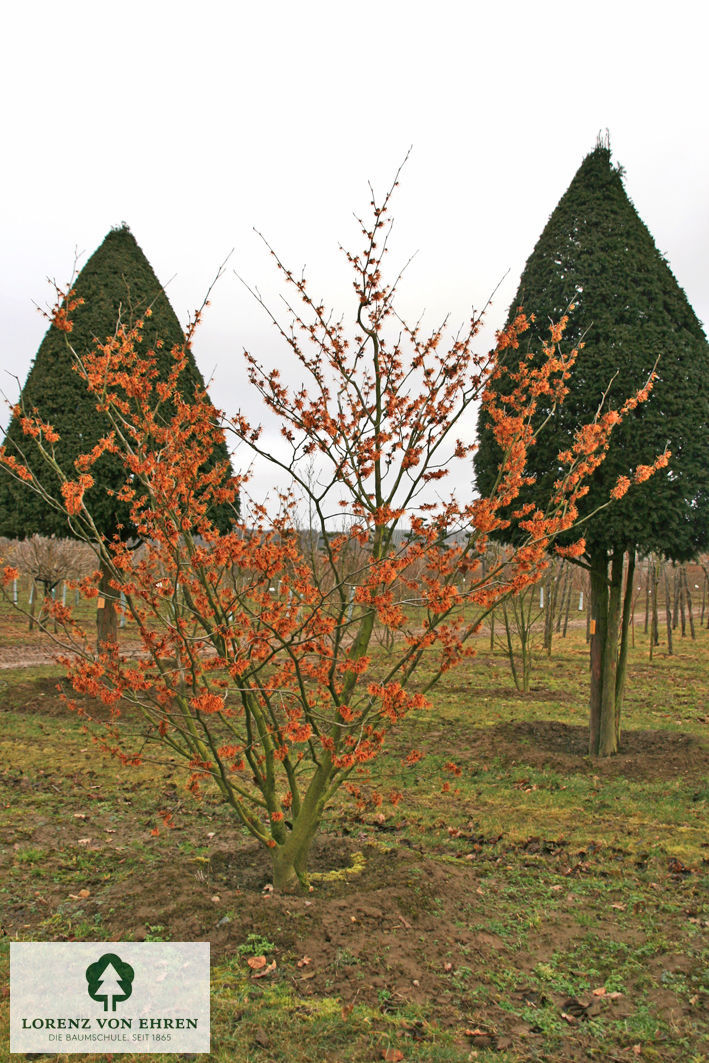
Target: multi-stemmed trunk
x=292 y=849
x=290 y=861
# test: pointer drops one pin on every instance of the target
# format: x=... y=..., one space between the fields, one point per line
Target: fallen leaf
x=600 y=992
x=346 y=1011
x=261 y=1037
x=216 y=898
x=304 y=962
x=569 y=1018
x=84 y=893
x=447 y=966
x=267 y=889
x=83 y=841
x=256 y=962
x=619 y=907
x=266 y=970
x=393 y=1055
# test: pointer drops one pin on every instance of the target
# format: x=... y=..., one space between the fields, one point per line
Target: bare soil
x=397 y=927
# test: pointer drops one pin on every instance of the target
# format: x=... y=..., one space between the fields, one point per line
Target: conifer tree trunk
x=106 y=616
x=623 y=651
x=608 y=739
x=598 y=613
x=588 y=611
x=606 y=680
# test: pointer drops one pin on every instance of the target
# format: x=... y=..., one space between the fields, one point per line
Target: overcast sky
x=196 y=124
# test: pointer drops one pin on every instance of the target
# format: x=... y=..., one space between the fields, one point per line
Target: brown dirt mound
x=643 y=755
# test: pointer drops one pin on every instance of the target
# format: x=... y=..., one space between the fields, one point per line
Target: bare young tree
x=48 y=560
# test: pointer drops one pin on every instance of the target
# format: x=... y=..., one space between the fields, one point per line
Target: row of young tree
x=279 y=699
x=524 y=625
x=667 y=598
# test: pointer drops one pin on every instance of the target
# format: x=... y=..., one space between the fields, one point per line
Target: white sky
x=195 y=123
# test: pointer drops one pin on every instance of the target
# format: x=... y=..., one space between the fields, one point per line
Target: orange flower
x=207 y=702
x=73 y=493
x=621 y=487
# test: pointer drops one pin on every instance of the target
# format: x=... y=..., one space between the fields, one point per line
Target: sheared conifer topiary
x=596 y=255
x=117 y=286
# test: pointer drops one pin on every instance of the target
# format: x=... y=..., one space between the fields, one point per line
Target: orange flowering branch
x=259 y=664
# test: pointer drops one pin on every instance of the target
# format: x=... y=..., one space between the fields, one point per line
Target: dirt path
x=24 y=655
x=44 y=652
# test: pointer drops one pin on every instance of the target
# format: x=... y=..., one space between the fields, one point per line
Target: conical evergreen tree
x=117 y=284
x=597 y=255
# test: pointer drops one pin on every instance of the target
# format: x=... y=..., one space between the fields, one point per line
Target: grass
x=546 y=906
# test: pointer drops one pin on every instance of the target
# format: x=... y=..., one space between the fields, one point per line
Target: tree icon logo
x=110 y=980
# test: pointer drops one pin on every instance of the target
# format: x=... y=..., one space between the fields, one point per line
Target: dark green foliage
x=596 y=253
x=117 y=284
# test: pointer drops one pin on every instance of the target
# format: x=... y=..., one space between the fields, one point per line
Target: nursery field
x=539 y=905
